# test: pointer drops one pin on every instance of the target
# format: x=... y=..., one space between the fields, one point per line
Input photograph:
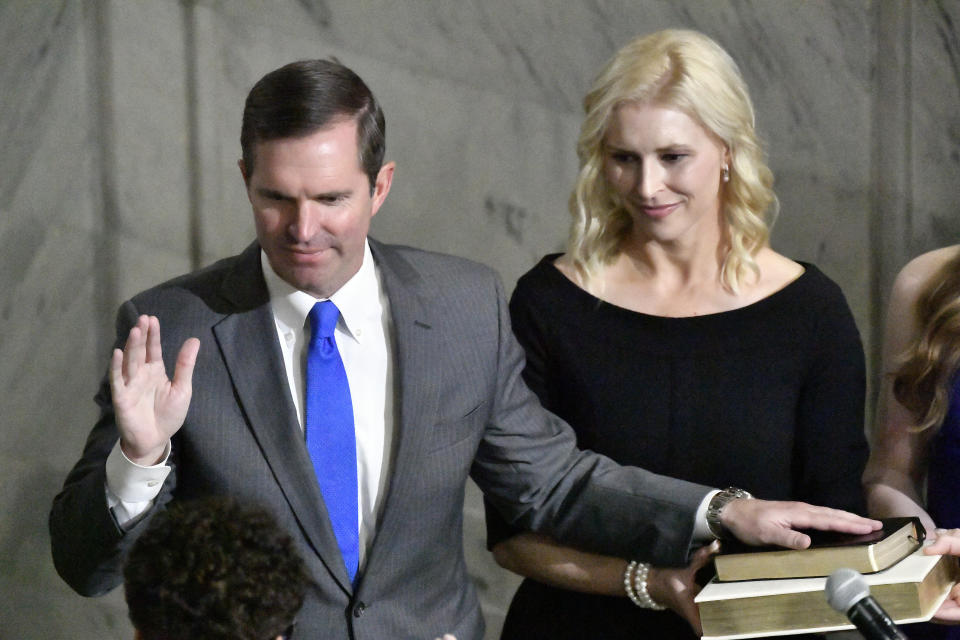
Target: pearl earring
x=725 y=173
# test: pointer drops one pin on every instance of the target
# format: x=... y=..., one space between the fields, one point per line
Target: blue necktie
x=331 y=441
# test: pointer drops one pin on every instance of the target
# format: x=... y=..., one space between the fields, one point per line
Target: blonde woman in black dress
x=671 y=336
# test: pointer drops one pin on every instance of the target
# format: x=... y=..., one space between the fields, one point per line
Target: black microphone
x=848 y=593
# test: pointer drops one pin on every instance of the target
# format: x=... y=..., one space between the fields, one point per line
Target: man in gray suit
x=434 y=387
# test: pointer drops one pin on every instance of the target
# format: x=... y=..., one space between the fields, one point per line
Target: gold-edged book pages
x=828 y=551
x=910 y=591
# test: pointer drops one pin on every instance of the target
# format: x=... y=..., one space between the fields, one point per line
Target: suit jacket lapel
x=417 y=367
x=248 y=343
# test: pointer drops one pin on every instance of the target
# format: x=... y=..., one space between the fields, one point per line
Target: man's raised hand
x=149 y=407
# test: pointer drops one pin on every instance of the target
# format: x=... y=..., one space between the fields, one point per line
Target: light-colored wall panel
x=225 y=222
x=49 y=321
x=122 y=135
x=478 y=175
x=935 y=126
x=149 y=110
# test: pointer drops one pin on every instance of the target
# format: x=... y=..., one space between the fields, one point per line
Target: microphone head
x=845 y=588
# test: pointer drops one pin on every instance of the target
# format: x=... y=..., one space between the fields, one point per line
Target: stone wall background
x=119 y=125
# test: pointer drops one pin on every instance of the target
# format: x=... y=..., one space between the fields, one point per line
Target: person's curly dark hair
x=213 y=569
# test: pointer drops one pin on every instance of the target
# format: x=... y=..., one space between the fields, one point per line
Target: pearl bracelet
x=635 y=584
x=628 y=581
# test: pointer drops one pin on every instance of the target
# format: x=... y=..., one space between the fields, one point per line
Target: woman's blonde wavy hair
x=923 y=382
x=688 y=71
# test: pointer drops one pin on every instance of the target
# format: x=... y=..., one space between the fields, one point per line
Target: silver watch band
x=717 y=504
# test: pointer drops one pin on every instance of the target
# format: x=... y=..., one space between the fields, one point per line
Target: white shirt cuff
x=131 y=482
x=701 y=532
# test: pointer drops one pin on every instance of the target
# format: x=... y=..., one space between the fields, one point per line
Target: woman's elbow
x=504 y=556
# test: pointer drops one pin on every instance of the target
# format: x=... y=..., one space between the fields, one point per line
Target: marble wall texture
x=119 y=125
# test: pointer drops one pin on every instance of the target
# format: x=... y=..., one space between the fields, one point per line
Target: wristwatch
x=716 y=505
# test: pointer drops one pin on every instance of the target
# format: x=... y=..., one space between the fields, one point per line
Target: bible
x=828 y=550
x=910 y=591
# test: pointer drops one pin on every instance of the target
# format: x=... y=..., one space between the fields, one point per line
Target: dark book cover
x=823 y=539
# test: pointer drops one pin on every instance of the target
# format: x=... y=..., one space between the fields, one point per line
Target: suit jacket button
x=359 y=609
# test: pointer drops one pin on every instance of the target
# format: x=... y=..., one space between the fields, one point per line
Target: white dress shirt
x=364 y=339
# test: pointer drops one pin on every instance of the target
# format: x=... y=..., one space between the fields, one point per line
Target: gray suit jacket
x=463 y=410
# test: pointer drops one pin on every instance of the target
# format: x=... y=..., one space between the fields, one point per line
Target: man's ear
x=243 y=172
x=382 y=185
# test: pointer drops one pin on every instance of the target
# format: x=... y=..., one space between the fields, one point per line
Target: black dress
x=768 y=397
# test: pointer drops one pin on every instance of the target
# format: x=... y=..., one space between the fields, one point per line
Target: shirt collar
x=358 y=299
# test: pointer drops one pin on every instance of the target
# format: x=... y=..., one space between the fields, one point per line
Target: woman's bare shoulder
x=915 y=274
x=565 y=264
x=776 y=270
x=917 y=271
